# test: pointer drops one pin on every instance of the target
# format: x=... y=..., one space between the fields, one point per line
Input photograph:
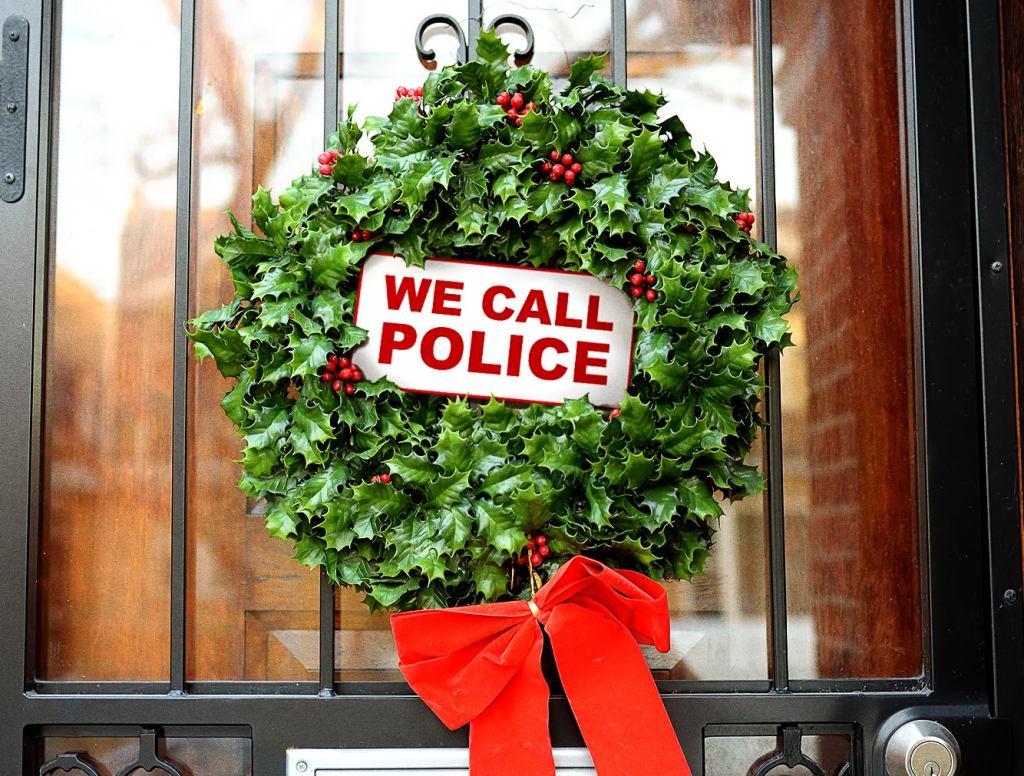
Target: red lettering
x=488 y=303
x=562 y=312
x=592 y=313
x=537 y=358
x=534 y=307
x=445 y=292
x=476 y=356
x=515 y=354
x=395 y=336
x=429 y=343
x=584 y=361
x=407 y=289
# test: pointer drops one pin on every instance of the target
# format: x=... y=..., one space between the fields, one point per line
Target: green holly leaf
x=583 y=69
x=466 y=129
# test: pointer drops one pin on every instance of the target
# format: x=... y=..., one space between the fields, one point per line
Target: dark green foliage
x=452 y=177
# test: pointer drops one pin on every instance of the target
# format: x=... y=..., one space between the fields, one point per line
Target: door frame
x=972 y=562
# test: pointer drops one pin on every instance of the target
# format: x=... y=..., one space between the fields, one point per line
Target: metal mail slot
x=412 y=762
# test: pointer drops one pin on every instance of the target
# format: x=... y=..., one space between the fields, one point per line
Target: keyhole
x=931 y=769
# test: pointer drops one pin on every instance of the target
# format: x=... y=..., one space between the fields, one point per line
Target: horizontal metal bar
x=133 y=731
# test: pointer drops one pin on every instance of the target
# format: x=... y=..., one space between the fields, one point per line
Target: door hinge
x=13 y=107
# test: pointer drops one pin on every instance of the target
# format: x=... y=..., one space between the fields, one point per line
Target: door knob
x=922 y=748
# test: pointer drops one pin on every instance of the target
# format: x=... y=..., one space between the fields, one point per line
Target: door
x=150 y=619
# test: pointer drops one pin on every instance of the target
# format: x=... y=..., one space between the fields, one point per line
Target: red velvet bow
x=481 y=665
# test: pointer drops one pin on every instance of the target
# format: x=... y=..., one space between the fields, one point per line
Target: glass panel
x=563 y=30
x=848 y=385
x=105 y=543
x=364 y=647
x=258 y=122
x=379 y=54
x=193 y=756
x=731 y=755
x=699 y=54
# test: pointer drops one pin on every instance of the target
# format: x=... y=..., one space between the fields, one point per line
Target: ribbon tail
x=510 y=737
x=613 y=695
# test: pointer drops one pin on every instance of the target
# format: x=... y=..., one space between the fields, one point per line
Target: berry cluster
x=561 y=167
x=327 y=161
x=640 y=284
x=383 y=479
x=536 y=550
x=745 y=221
x=362 y=235
x=404 y=91
x=341 y=373
x=515 y=106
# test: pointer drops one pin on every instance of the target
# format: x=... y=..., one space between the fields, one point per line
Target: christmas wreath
x=425 y=501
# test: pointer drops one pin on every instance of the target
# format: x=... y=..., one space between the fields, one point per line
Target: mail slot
x=412 y=762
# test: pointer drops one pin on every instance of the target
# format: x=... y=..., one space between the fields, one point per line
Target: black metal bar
x=619 y=43
x=997 y=364
x=775 y=501
x=428 y=54
x=182 y=272
x=332 y=79
x=474 y=24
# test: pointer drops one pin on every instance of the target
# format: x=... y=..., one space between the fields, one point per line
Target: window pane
x=105 y=544
x=699 y=54
x=258 y=122
x=194 y=756
x=848 y=385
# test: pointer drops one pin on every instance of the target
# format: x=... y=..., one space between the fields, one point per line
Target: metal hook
x=428 y=55
x=67 y=762
x=526 y=53
x=148 y=759
x=788 y=752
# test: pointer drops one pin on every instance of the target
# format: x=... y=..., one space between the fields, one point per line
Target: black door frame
x=973 y=543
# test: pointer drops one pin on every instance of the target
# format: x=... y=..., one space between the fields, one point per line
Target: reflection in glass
x=731 y=755
x=847 y=393
x=198 y=756
x=700 y=56
x=364 y=647
x=105 y=544
x=258 y=122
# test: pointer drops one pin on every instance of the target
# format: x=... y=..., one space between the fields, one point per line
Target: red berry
x=567 y=160
x=536 y=559
x=517 y=100
x=503 y=99
x=639 y=265
x=570 y=177
x=528 y=107
x=557 y=170
x=356 y=375
x=651 y=295
x=374 y=479
x=615 y=413
x=418 y=91
x=343 y=362
x=552 y=176
x=334 y=156
x=326 y=169
x=357 y=235
x=345 y=374
x=327 y=377
x=541 y=540
x=576 y=167
x=336 y=385
x=349 y=389
x=635 y=291
x=636 y=278
x=545 y=167
x=512 y=114
x=385 y=478
x=332 y=358
x=521 y=560
x=324 y=158
x=544 y=550
x=650 y=279
x=518 y=122
x=366 y=235
x=555 y=156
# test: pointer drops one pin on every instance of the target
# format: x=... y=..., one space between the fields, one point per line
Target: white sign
x=464 y=328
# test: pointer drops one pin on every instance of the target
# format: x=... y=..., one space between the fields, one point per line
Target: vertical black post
x=619 y=42
x=332 y=78
x=474 y=23
x=182 y=263
x=778 y=660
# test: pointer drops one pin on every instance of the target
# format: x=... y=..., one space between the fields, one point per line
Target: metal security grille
x=971 y=539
